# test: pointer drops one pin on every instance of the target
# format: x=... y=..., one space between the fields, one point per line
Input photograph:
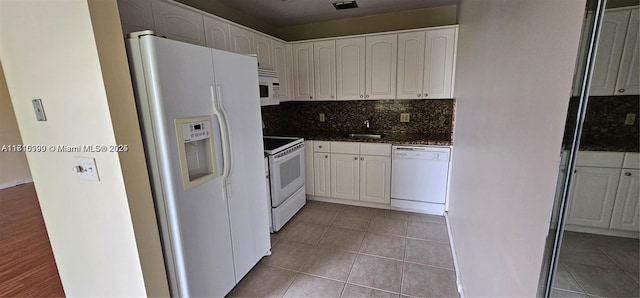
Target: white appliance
x=419 y=178
x=269 y=87
x=203 y=142
x=286 y=178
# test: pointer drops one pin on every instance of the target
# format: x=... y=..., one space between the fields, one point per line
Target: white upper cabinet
x=611 y=43
x=410 y=64
x=217 y=34
x=350 y=60
x=135 y=15
x=439 y=51
x=282 y=65
x=264 y=49
x=178 y=23
x=628 y=82
x=426 y=63
x=303 y=71
x=241 y=40
x=324 y=55
x=380 y=66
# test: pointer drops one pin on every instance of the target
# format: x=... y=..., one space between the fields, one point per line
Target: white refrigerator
x=200 y=114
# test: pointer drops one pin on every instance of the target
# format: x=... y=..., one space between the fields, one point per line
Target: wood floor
x=27 y=266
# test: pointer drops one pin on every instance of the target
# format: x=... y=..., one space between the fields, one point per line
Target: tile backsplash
x=426 y=116
x=604 y=123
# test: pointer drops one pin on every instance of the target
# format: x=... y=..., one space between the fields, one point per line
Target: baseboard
x=348 y=202
x=455 y=258
x=16 y=183
x=602 y=231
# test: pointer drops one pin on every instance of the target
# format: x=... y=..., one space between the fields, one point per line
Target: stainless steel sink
x=365 y=135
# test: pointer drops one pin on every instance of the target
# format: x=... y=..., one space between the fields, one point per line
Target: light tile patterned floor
x=597 y=266
x=333 y=250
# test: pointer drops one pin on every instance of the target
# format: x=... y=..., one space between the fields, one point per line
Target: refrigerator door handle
x=219 y=111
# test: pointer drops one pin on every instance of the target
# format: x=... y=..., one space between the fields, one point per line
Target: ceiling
x=282 y=13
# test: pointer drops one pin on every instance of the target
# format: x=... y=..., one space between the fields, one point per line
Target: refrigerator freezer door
x=236 y=80
x=173 y=81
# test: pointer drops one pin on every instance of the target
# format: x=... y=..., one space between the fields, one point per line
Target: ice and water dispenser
x=195 y=147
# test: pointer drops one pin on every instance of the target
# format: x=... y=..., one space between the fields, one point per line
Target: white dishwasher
x=419 y=178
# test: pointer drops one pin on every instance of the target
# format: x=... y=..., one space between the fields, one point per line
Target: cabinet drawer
x=345 y=147
x=320 y=146
x=375 y=149
x=631 y=161
x=600 y=159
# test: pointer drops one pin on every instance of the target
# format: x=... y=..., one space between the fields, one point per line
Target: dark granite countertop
x=607 y=144
x=439 y=139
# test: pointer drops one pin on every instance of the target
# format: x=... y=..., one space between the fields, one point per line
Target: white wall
x=49 y=50
x=513 y=81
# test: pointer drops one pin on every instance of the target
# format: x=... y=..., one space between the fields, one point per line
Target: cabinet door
x=345 y=176
x=410 y=64
x=135 y=15
x=350 y=70
x=438 y=63
x=626 y=212
x=281 y=65
x=629 y=75
x=322 y=174
x=592 y=196
x=612 y=35
x=217 y=34
x=308 y=165
x=303 y=71
x=241 y=40
x=375 y=179
x=178 y=23
x=324 y=55
x=263 y=49
x=380 y=66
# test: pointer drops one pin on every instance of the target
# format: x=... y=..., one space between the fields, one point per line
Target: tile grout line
x=404 y=257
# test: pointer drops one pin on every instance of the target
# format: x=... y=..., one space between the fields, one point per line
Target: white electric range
x=286 y=178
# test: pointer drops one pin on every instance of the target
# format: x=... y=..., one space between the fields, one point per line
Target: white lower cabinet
x=321 y=174
x=345 y=176
x=626 y=212
x=375 y=179
x=351 y=171
x=592 y=196
x=604 y=197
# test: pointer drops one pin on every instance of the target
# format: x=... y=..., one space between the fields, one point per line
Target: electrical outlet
x=404 y=117
x=321 y=117
x=630 y=120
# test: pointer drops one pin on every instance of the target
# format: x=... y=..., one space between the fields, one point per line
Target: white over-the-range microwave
x=269 y=87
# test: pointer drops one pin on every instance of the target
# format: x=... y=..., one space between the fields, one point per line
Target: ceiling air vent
x=345 y=5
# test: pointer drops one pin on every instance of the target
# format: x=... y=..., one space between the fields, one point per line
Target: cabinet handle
x=621 y=90
x=419 y=94
x=355 y=158
x=319 y=146
x=425 y=95
x=627 y=174
x=361 y=158
x=326 y=156
x=310 y=97
x=361 y=96
x=332 y=97
x=367 y=96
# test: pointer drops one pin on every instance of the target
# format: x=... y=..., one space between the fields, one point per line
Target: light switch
x=85 y=168
x=39 y=109
x=630 y=119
